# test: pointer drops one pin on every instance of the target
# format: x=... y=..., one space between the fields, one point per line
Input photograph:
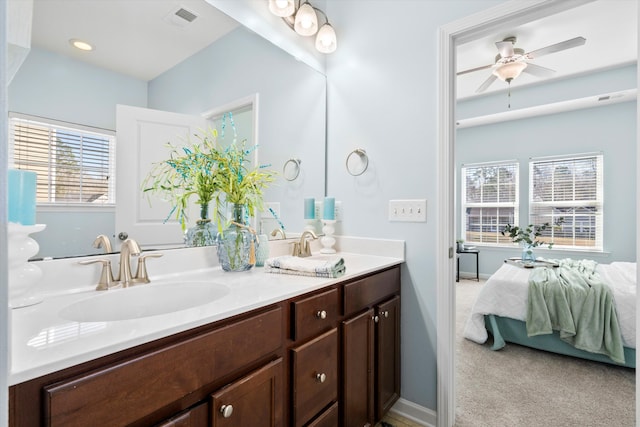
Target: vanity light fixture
x=303 y=19
x=282 y=8
x=80 y=44
x=306 y=22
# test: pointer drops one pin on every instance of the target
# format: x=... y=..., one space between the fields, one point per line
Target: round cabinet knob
x=385 y=313
x=321 y=315
x=321 y=378
x=226 y=410
x=123 y=235
x=375 y=319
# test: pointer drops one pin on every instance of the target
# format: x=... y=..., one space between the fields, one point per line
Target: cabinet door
x=197 y=416
x=357 y=365
x=388 y=355
x=254 y=400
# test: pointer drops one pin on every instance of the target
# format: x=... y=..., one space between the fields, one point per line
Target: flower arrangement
x=211 y=173
x=529 y=235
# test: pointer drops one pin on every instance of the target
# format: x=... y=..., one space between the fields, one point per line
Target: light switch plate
x=413 y=210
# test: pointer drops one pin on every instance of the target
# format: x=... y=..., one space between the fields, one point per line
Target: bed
x=501 y=310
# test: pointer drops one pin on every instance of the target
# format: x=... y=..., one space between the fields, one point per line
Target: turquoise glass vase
x=203 y=233
x=236 y=244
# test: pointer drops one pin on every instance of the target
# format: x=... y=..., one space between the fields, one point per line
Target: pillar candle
x=329 y=208
x=22 y=197
x=310 y=208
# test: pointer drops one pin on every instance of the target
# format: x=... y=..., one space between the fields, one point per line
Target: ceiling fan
x=510 y=62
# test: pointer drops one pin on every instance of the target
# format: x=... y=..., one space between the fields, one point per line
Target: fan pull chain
x=509 y=94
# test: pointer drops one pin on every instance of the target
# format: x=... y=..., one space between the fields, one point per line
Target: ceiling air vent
x=180 y=17
x=186 y=15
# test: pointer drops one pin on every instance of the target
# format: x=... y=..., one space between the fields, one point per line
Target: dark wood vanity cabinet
x=324 y=359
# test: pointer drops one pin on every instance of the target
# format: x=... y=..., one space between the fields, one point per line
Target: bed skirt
x=505 y=329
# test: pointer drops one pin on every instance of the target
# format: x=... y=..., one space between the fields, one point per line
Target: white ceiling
x=610 y=27
x=140 y=38
x=136 y=38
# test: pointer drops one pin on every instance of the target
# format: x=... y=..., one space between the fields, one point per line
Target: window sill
x=75 y=208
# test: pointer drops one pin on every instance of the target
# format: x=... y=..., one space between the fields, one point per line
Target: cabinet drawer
x=197 y=416
x=315 y=376
x=126 y=392
x=314 y=314
x=366 y=292
x=329 y=418
x=254 y=400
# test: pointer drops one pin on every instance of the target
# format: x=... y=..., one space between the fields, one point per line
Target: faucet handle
x=141 y=271
x=106 y=281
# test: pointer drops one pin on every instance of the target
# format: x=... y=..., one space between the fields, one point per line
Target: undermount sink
x=143 y=301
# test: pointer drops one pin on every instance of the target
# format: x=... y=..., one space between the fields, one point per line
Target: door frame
x=510 y=13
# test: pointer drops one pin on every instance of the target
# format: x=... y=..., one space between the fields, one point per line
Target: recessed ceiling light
x=79 y=44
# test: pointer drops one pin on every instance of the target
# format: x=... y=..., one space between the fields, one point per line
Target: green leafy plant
x=211 y=173
x=529 y=235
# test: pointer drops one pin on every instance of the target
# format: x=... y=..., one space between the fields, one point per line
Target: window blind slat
x=568 y=190
x=73 y=165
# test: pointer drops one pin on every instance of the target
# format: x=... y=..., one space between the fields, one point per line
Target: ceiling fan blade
x=505 y=48
x=538 y=71
x=567 y=44
x=471 y=70
x=492 y=78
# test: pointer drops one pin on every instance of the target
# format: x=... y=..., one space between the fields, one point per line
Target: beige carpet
x=519 y=387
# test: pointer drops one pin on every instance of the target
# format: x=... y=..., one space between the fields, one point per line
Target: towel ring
x=364 y=162
x=291 y=169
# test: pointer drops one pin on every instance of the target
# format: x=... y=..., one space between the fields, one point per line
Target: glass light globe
x=306 y=23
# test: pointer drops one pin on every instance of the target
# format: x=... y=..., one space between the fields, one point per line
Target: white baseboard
x=414 y=412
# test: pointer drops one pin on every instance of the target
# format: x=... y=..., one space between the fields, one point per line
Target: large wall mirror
x=60 y=84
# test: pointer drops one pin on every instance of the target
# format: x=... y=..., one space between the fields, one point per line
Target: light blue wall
x=608 y=129
x=58 y=87
x=383 y=97
x=291 y=108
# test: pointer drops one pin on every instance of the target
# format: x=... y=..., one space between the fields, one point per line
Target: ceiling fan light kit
x=509 y=71
x=303 y=19
x=510 y=62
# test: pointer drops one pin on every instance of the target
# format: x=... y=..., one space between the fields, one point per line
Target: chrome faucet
x=302 y=248
x=129 y=247
x=103 y=242
x=278 y=230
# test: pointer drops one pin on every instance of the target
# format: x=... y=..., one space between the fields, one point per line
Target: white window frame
x=597 y=204
x=52 y=125
x=515 y=204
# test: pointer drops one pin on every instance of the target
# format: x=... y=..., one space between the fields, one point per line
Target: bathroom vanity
x=277 y=350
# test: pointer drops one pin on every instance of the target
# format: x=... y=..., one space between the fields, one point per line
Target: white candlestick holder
x=328 y=240
x=23 y=275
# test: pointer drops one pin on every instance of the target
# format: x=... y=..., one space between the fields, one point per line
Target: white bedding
x=506 y=292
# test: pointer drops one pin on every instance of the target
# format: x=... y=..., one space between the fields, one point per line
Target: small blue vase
x=527 y=254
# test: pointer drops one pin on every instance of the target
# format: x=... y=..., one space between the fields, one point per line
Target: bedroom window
x=569 y=190
x=489 y=201
x=75 y=164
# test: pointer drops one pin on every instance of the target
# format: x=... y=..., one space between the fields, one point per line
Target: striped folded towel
x=288 y=264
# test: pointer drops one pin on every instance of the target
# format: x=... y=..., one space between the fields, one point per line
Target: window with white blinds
x=75 y=165
x=568 y=190
x=489 y=201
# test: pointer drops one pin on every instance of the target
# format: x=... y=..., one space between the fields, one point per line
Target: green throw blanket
x=574 y=300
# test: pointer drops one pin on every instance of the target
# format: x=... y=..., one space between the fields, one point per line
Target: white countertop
x=43 y=342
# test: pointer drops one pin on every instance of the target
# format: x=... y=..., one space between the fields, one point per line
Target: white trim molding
x=414 y=412
x=511 y=13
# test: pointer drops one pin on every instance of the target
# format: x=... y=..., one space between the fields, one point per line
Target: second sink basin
x=143 y=301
